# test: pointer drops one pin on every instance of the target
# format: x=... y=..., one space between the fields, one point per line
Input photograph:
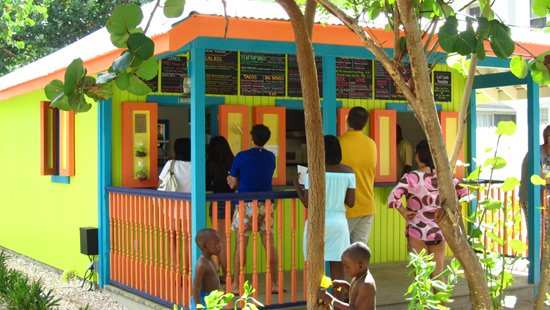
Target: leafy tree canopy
x=32 y=29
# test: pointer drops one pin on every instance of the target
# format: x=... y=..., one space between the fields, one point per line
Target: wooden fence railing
x=151 y=242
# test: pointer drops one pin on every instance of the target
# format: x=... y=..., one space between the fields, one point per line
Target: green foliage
x=218 y=300
x=496 y=266
x=128 y=71
x=65 y=21
x=18 y=293
x=518 y=66
x=431 y=293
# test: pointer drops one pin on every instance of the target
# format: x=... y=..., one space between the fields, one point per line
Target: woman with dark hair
x=218 y=163
x=182 y=165
x=339 y=189
x=423 y=211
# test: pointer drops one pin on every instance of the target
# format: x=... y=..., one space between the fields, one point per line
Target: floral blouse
x=422 y=194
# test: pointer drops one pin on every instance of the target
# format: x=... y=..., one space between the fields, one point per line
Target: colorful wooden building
x=63 y=171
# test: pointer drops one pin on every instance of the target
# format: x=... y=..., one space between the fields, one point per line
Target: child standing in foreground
x=362 y=289
x=206 y=274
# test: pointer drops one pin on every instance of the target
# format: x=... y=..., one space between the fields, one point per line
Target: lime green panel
x=41 y=219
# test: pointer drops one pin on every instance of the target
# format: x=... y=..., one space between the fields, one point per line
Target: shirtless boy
x=206 y=275
x=362 y=289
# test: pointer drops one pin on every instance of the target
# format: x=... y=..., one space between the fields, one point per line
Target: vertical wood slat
x=172 y=235
x=166 y=244
x=268 y=245
x=227 y=223
x=156 y=278
x=149 y=260
x=293 y=286
x=133 y=260
x=127 y=262
x=280 y=276
x=178 y=297
x=241 y=247
x=189 y=253
x=255 y=246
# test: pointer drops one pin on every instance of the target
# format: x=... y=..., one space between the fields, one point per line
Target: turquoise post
x=104 y=138
x=198 y=152
x=328 y=106
x=533 y=136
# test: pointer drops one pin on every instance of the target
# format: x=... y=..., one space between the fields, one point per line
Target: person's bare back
x=206 y=271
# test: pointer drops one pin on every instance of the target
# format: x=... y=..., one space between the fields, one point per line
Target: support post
x=104 y=143
x=533 y=136
x=328 y=106
x=198 y=142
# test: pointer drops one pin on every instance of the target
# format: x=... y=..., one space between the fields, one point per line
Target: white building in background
x=507 y=103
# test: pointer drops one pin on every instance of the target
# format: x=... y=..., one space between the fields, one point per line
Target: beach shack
x=63 y=172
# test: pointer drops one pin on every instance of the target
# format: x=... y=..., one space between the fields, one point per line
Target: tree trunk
x=452 y=224
x=315 y=151
x=463 y=113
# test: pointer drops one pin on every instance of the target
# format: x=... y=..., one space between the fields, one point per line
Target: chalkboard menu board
x=221 y=72
x=153 y=83
x=442 y=86
x=383 y=82
x=384 y=86
x=294 y=83
x=353 y=78
x=173 y=70
x=262 y=74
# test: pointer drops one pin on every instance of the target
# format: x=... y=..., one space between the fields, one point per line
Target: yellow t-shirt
x=359 y=152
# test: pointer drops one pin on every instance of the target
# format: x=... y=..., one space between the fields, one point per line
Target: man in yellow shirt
x=359 y=152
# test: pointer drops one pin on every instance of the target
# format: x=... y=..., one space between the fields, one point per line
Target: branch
x=376 y=50
x=226 y=19
x=309 y=15
x=463 y=112
x=525 y=49
x=151 y=17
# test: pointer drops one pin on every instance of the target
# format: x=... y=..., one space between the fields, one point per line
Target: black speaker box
x=88 y=241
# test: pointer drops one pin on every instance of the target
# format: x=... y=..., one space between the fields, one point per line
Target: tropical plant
x=497 y=267
x=426 y=292
x=128 y=72
x=218 y=300
x=18 y=293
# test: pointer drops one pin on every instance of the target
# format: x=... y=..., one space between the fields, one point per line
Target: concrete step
x=132 y=301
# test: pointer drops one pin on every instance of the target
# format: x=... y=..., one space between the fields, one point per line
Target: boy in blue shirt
x=252 y=171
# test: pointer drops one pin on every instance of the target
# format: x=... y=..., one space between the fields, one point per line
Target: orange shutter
x=342 y=115
x=139 y=144
x=234 y=126
x=275 y=119
x=449 y=127
x=66 y=143
x=382 y=128
x=48 y=139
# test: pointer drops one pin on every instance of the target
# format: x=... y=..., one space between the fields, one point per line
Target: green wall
x=41 y=219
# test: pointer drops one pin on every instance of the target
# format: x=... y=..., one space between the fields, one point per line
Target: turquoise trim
x=533 y=136
x=172 y=100
x=472 y=142
x=496 y=80
x=104 y=137
x=60 y=179
x=198 y=153
x=329 y=103
x=494 y=62
x=405 y=107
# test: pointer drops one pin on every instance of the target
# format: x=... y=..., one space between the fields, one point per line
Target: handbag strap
x=172 y=166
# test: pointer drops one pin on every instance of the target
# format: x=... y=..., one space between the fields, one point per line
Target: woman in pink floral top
x=420 y=188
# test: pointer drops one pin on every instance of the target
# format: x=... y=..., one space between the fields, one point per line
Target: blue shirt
x=254 y=168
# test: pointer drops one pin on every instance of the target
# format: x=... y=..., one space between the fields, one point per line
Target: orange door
x=139 y=144
x=342 y=116
x=275 y=119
